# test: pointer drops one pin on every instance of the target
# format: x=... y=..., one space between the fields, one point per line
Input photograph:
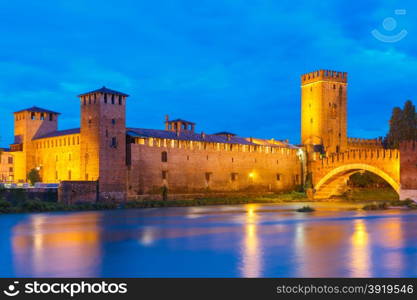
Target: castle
x=125 y=163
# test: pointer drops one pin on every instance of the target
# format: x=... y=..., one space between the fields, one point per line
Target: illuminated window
x=164 y=156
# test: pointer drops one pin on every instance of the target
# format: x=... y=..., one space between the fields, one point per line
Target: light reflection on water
x=220 y=241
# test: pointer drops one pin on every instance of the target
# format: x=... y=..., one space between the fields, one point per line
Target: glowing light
x=251 y=175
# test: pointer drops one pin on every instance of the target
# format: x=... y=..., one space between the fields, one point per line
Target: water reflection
x=66 y=245
x=223 y=241
x=360 y=252
x=252 y=253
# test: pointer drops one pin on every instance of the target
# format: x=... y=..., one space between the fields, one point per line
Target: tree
x=34 y=176
x=403 y=125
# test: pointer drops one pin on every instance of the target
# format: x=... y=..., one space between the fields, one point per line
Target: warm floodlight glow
x=251 y=175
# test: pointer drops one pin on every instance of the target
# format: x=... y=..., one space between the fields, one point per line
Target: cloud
x=227 y=65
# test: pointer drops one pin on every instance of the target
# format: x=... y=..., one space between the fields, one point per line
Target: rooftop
x=105 y=91
x=58 y=133
x=186 y=136
x=38 y=109
x=180 y=120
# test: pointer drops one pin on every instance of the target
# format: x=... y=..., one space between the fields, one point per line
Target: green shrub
x=305 y=209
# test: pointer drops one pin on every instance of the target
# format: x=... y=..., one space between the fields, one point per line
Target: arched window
x=164 y=156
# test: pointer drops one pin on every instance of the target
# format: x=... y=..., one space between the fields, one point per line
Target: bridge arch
x=335 y=180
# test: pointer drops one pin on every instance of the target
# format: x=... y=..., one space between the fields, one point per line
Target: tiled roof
x=186 y=136
x=105 y=90
x=58 y=133
x=180 y=120
x=38 y=109
x=224 y=133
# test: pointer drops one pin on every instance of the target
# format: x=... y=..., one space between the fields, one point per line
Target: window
x=95 y=98
x=233 y=176
x=164 y=175
x=112 y=99
x=278 y=177
x=113 y=121
x=42 y=116
x=11 y=169
x=56 y=174
x=84 y=101
x=113 y=142
x=164 y=156
x=10 y=160
x=105 y=98
x=89 y=99
x=208 y=177
x=32 y=116
x=120 y=100
x=51 y=117
x=69 y=175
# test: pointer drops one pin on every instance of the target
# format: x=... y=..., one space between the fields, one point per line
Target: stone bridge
x=330 y=174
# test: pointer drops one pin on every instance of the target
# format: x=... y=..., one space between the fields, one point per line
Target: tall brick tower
x=28 y=124
x=103 y=141
x=324 y=111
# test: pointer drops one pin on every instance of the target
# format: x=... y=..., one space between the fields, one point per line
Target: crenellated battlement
x=358 y=155
x=364 y=143
x=324 y=75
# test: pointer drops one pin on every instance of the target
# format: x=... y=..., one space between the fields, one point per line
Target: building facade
x=127 y=162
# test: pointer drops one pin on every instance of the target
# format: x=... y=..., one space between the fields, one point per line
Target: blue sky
x=226 y=65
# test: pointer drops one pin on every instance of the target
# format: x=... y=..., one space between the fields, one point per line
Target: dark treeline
x=403 y=126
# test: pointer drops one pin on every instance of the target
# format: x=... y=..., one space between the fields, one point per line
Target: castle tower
x=28 y=124
x=103 y=141
x=324 y=111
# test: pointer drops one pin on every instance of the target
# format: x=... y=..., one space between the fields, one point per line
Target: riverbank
x=359 y=199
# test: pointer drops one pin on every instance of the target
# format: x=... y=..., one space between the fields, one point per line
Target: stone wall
x=58 y=158
x=193 y=168
x=408 y=170
x=71 y=192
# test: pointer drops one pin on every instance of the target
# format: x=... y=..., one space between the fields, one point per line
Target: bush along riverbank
x=44 y=206
x=265 y=199
x=25 y=205
x=408 y=203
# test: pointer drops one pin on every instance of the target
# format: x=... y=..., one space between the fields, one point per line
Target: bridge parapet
x=356 y=155
x=331 y=173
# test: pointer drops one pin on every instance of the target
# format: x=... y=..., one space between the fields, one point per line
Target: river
x=252 y=240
